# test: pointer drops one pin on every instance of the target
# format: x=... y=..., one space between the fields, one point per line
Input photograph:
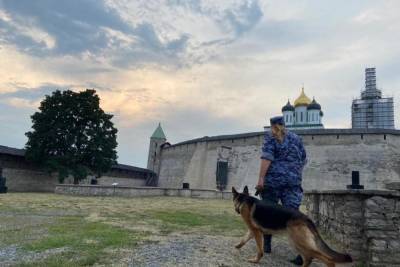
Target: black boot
x=267 y=243
x=297 y=261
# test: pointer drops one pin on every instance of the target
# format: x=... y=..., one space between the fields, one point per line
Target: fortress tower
x=156 y=141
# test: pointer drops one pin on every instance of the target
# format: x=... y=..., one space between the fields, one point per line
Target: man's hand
x=263 y=171
x=260 y=187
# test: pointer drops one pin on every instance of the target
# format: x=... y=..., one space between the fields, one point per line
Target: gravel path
x=196 y=250
x=12 y=255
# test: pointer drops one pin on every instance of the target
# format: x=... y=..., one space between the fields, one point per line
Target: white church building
x=305 y=114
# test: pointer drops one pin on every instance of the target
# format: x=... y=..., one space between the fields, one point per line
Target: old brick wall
x=365 y=222
x=127 y=191
x=122 y=181
x=25 y=180
x=23 y=176
x=382 y=230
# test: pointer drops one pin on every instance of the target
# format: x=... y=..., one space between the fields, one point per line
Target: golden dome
x=302 y=100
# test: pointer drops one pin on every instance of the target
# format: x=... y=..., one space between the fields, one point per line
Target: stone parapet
x=365 y=222
x=125 y=191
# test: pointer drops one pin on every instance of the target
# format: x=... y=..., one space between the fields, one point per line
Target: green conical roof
x=159 y=133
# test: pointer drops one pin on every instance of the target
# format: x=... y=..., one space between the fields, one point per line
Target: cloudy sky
x=200 y=67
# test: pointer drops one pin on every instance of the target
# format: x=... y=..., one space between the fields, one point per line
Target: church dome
x=314 y=105
x=302 y=100
x=288 y=107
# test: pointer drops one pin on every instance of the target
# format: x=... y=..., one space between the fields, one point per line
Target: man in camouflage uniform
x=282 y=163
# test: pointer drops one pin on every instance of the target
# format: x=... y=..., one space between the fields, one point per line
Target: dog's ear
x=246 y=190
x=235 y=193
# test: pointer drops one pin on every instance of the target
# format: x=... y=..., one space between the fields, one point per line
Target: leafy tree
x=72 y=135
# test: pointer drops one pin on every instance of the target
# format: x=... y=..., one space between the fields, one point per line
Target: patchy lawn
x=57 y=230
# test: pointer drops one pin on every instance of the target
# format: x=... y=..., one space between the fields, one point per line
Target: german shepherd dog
x=262 y=218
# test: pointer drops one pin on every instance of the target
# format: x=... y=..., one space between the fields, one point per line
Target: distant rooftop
x=12 y=151
x=5 y=150
x=131 y=168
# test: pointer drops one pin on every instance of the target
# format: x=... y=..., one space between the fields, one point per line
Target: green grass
x=61 y=260
x=85 y=231
x=223 y=223
x=86 y=239
x=77 y=233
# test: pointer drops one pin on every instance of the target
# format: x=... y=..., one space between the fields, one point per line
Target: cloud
x=74 y=25
x=34 y=93
x=200 y=67
x=367 y=17
x=49 y=28
x=196 y=30
x=244 y=18
x=20 y=103
x=100 y=29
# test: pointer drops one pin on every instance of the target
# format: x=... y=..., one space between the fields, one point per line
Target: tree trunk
x=76 y=180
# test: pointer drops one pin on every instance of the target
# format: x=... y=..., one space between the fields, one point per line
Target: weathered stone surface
x=378 y=244
x=381 y=224
x=385 y=257
x=393 y=186
x=120 y=191
x=394 y=245
x=122 y=181
x=330 y=161
x=378 y=233
x=29 y=180
x=382 y=265
x=23 y=176
x=378 y=203
x=366 y=222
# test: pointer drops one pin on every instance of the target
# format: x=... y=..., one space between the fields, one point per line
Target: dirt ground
x=57 y=230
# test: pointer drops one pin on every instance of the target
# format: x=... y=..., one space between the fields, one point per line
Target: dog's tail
x=324 y=248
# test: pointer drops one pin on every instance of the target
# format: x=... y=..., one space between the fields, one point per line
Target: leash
x=258 y=191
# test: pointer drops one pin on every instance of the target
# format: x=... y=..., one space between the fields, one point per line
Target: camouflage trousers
x=290 y=197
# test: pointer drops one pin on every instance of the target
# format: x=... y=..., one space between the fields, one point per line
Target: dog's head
x=238 y=198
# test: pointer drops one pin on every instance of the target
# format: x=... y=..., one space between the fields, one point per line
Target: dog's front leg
x=249 y=235
x=258 y=235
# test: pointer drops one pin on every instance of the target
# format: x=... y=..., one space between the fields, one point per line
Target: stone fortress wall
x=332 y=155
x=23 y=176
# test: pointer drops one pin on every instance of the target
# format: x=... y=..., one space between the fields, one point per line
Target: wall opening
x=222 y=175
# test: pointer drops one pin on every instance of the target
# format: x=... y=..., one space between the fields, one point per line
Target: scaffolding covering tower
x=372 y=110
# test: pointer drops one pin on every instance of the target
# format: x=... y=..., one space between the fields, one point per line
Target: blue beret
x=277 y=120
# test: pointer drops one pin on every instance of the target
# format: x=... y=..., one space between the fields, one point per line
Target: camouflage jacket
x=287 y=160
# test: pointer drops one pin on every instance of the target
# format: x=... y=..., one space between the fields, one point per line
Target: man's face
x=274 y=129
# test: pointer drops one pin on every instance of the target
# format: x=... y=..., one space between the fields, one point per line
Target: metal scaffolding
x=372 y=110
